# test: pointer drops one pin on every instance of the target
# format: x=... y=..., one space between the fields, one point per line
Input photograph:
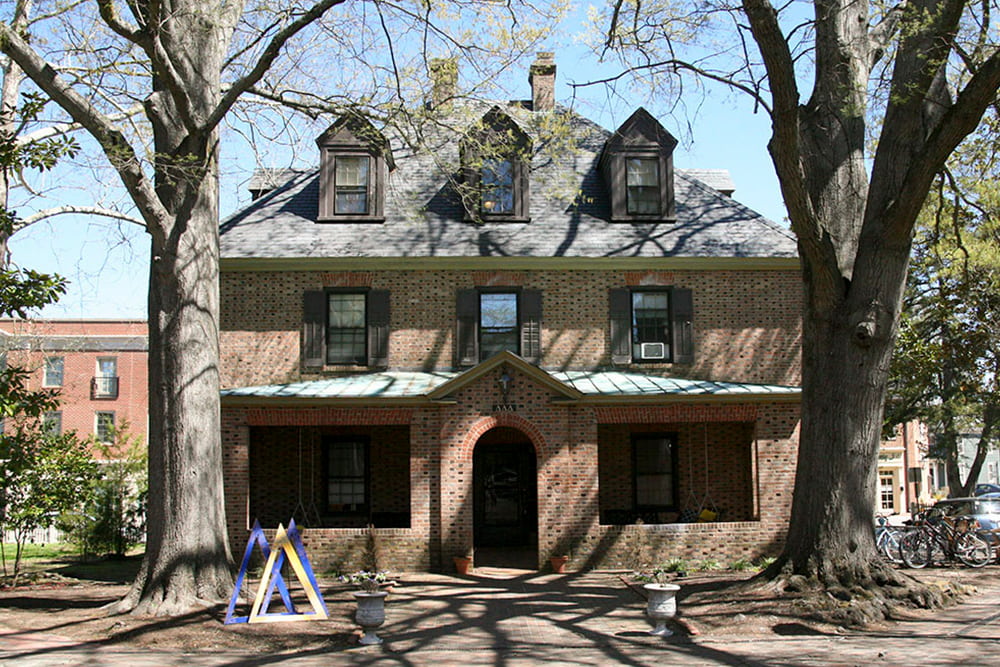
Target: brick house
x=98 y=367
x=509 y=332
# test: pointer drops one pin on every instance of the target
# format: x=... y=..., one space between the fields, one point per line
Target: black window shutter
x=314 y=328
x=682 y=308
x=467 y=327
x=378 y=328
x=620 y=307
x=522 y=193
x=531 y=325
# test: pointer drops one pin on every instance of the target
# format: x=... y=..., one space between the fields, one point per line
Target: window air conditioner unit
x=652 y=350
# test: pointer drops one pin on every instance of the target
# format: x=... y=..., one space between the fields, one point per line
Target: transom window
x=497 y=183
x=351 y=180
x=651 y=325
x=346 y=328
x=653 y=458
x=498 y=323
x=346 y=475
x=642 y=180
x=53 y=372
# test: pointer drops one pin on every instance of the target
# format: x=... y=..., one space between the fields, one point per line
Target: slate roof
x=409 y=384
x=570 y=212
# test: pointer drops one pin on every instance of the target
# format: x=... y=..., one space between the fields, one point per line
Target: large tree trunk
x=187 y=550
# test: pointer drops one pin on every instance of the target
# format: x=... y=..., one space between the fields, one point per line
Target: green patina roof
x=413 y=384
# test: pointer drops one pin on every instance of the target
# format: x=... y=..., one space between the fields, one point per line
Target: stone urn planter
x=661 y=605
x=370 y=615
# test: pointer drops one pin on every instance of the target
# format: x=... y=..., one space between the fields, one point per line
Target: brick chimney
x=542 y=77
x=444 y=80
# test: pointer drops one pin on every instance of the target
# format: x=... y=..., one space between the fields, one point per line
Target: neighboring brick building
x=508 y=331
x=98 y=367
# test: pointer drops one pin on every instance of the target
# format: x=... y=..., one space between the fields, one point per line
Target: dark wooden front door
x=504 y=494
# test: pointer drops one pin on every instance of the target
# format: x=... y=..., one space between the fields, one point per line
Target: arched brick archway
x=505 y=492
x=514 y=421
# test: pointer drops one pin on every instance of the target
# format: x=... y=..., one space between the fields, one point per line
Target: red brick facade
x=735 y=457
x=741 y=335
x=80 y=344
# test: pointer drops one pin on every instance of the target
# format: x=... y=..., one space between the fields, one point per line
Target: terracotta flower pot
x=559 y=564
x=462 y=564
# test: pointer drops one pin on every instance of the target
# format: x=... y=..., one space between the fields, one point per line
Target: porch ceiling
x=593 y=385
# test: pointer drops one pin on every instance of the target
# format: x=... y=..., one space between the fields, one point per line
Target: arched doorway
x=505 y=500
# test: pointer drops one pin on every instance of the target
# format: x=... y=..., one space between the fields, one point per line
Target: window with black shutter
x=651 y=325
x=490 y=321
x=345 y=327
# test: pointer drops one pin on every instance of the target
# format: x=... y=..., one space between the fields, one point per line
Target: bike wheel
x=915 y=549
x=973 y=550
x=888 y=544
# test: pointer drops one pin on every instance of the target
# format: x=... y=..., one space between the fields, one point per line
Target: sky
x=106 y=261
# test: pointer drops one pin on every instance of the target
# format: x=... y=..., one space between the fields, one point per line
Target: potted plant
x=371 y=602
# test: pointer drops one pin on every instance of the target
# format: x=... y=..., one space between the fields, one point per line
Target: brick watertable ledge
x=677 y=413
x=321 y=416
x=693 y=527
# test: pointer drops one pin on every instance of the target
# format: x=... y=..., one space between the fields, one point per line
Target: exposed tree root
x=854 y=595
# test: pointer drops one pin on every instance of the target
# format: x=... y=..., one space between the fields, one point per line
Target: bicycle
x=937 y=538
x=887 y=540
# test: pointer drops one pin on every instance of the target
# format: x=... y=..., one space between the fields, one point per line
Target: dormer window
x=354 y=158
x=638 y=168
x=496 y=159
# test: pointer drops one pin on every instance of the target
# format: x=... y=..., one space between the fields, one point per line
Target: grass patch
x=39 y=552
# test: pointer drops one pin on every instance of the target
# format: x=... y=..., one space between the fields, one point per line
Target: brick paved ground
x=534 y=619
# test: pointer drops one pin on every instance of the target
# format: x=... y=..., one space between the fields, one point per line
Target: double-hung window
x=642 y=183
x=498 y=324
x=653 y=459
x=351 y=184
x=52 y=422
x=53 y=372
x=105 y=383
x=346 y=475
x=104 y=426
x=346 y=328
x=650 y=325
x=497 y=187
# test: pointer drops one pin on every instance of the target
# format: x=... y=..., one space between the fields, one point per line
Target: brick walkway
x=534 y=619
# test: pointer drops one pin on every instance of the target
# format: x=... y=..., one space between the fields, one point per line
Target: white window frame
x=47 y=369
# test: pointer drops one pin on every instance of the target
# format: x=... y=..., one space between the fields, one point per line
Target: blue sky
x=106 y=261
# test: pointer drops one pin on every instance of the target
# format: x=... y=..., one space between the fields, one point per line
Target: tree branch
x=269 y=55
x=115 y=145
x=59 y=129
x=81 y=210
x=113 y=21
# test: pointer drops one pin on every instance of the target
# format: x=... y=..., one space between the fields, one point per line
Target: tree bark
x=854 y=242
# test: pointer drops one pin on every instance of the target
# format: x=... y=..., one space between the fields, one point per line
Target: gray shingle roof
x=570 y=213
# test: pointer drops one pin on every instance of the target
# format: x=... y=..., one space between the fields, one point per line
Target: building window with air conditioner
x=651 y=325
